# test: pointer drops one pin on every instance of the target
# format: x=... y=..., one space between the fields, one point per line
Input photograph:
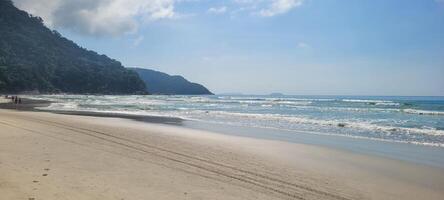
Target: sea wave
x=434 y=144
x=354 y=117
x=302 y=103
x=422 y=112
x=366 y=101
x=244 y=100
x=372 y=102
x=66 y=106
x=299 y=99
x=368 y=126
x=387 y=104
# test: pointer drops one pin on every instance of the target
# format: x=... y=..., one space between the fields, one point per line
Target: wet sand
x=56 y=156
x=26 y=105
x=34 y=105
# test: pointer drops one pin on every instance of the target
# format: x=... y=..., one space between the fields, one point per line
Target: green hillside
x=35 y=58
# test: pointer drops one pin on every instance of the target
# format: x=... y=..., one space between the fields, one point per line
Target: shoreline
x=86 y=155
x=32 y=105
x=407 y=152
x=26 y=105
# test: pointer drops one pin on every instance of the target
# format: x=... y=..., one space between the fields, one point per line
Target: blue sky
x=362 y=47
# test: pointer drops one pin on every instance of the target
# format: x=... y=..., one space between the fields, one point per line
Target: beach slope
x=54 y=156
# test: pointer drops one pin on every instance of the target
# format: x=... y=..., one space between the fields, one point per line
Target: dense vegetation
x=161 y=83
x=35 y=58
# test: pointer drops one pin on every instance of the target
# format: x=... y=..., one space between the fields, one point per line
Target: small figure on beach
x=16 y=100
x=19 y=100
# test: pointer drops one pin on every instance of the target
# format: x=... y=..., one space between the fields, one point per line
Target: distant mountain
x=161 y=83
x=35 y=58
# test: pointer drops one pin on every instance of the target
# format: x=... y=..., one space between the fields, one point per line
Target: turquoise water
x=414 y=120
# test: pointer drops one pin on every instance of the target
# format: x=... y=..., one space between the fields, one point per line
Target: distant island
x=162 y=83
x=35 y=59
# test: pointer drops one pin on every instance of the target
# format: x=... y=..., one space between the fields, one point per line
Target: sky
x=302 y=47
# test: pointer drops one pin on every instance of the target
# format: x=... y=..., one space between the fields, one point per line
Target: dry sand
x=53 y=156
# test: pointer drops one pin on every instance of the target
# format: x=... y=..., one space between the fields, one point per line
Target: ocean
x=412 y=120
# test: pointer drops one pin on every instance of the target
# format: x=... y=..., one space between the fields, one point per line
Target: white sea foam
x=299 y=99
x=346 y=123
x=387 y=104
x=66 y=106
x=335 y=116
x=302 y=103
x=251 y=101
x=434 y=144
x=366 y=101
x=373 y=102
x=422 y=112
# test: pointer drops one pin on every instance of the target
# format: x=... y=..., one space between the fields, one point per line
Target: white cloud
x=219 y=10
x=268 y=8
x=117 y=17
x=138 y=40
x=303 y=45
x=280 y=7
x=98 y=17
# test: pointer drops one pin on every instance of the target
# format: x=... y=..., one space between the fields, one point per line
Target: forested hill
x=161 y=83
x=35 y=58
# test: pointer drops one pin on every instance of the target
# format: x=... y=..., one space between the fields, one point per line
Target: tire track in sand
x=272 y=184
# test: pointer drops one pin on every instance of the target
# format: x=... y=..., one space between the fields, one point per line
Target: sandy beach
x=56 y=156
